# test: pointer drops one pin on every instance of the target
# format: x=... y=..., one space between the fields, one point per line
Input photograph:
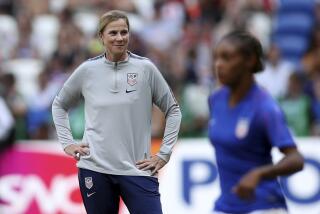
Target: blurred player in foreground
x=118 y=88
x=245 y=123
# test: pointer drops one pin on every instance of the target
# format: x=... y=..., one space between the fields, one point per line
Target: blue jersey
x=243 y=136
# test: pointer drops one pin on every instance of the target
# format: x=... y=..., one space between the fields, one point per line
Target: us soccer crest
x=132 y=78
x=88 y=182
x=242 y=128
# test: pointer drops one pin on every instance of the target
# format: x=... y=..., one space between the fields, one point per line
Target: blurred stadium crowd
x=43 y=41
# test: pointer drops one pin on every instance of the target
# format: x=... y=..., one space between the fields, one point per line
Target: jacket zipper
x=115 y=78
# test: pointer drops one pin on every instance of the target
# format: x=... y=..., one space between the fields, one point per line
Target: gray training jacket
x=118 y=110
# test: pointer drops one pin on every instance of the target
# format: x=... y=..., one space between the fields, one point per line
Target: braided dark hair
x=249 y=46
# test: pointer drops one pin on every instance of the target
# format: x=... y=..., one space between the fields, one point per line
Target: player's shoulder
x=264 y=101
x=140 y=60
x=81 y=69
x=90 y=63
x=94 y=61
x=96 y=58
x=137 y=57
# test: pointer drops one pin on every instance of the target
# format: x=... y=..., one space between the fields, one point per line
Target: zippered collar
x=107 y=61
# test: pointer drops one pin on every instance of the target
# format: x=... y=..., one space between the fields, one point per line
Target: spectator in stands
x=25 y=47
x=297 y=106
x=316 y=105
x=275 y=69
x=6 y=125
x=194 y=111
x=310 y=60
x=39 y=115
x=16 y=103
x=317 y=12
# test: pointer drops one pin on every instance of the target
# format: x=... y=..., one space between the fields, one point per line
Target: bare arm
x=291 y=163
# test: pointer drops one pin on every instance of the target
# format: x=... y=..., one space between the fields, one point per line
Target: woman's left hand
x=154 y=164
x=245 y=188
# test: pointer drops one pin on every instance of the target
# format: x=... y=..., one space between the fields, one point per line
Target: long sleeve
x=61 y=121
x=164 y=99
x=68 y=96
x=173 y=120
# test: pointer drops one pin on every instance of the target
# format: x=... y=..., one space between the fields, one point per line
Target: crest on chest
x=242 y=128
x=132 y=78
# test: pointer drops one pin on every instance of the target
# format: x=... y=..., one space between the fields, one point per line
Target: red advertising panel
x=38 y=178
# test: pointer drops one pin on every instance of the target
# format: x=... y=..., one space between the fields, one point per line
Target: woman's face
x=115 y=38
x=229 y=64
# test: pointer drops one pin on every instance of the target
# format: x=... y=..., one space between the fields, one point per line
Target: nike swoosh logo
x=90 y=194
x=127 y=91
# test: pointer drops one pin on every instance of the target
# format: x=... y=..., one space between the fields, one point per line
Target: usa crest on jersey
x=242 y=128
x=132 y=78
x=88 y=182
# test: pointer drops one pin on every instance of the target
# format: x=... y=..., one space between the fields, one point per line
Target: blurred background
x=43 y=41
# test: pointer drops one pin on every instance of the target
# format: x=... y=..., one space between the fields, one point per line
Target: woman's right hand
x=77 y=150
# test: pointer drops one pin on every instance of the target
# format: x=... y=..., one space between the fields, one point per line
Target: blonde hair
x=111 y=16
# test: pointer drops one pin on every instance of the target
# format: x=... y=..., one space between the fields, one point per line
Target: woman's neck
x=240 y=90
x=116 y=58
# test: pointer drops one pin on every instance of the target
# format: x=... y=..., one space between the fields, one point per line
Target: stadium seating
x=26 y=72
x=292 y=28
x=87 y=22
x=45 y=30
x=9 y=35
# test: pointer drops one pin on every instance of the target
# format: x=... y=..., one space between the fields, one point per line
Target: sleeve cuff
x=165 y=157
x=65 y=145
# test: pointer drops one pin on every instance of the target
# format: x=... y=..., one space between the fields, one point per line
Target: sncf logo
x=29 y=194
x=36 y=180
